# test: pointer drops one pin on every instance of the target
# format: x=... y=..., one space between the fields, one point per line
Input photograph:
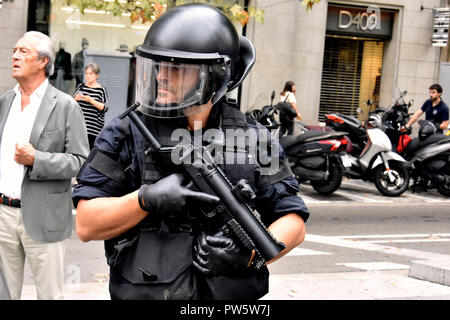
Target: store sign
x=362 y=20
x=441 y=23
x=371 y=21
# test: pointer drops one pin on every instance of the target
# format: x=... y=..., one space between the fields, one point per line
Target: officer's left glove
x=218 y=254
x=168 y=196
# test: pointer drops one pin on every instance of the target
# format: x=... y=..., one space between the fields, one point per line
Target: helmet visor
x=174 y=89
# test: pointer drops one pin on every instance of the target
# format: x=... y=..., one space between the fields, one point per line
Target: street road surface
x=355 y=231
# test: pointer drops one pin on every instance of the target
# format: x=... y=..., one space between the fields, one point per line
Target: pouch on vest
x=157 y=265
x=250 y=286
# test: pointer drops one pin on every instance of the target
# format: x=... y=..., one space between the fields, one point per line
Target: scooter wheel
x=333 y=182
x=392 y=188
x=444 y=189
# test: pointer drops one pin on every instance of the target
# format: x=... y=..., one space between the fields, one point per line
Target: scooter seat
x=312 y=135
x=351 y=120
x=416 y=144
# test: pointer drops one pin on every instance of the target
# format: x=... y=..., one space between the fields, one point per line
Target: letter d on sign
x=343 y=13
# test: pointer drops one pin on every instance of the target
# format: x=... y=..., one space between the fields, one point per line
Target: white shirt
x=17 y=129
x=290 y=97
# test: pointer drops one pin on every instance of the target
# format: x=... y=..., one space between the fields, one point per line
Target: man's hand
x=24 y=154
x=218 y=254
x=168 y=197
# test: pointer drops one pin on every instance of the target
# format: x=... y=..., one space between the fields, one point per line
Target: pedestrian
x=138 y=202
x=43 y=145
x=93 y=100
x=435 y=109
x=287 y=115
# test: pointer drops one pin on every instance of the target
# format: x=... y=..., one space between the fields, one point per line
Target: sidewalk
x=369 y=285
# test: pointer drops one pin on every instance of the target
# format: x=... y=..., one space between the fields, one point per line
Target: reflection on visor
x=168 y=89
x=176 y=83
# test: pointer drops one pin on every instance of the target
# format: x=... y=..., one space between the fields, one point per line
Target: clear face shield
x=177 y=89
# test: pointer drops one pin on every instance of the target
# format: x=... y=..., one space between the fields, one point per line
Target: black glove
x=218 y=254
x=168 y=197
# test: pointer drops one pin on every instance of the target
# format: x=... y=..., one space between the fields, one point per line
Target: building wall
x=13 y=24
x=290 y=44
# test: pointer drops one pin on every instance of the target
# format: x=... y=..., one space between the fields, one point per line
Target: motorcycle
x=377 y=162
x=266 y=116
x=314 y=157
x=356 y=133
x=397 y=117
x=428 y=158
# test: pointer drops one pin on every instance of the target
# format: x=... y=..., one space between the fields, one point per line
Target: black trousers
x=91 y=139
x=286 y=126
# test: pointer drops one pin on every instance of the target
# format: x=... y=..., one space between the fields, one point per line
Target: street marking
x=308 y=199
x=370 y=246
x=405 y=235
x=411 y=240
x=305 y=252
x=360 y=198
x=426 y=199
x=375 y=266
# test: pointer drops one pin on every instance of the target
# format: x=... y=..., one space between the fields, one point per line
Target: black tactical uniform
x=154 y=259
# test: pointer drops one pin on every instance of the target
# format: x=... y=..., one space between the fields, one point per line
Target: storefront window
x=95 y=36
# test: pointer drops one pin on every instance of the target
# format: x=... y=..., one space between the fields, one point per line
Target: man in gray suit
x=43 y=143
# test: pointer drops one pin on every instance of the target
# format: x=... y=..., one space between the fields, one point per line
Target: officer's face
x=434 y=95
x=175 y=81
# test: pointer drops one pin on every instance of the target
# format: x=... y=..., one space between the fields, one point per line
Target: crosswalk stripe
x=371 y=246
x=426 y=199
x=305 y=252
x=360 y=198
x=375 y=266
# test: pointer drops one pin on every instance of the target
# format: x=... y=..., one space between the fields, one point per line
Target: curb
x=435 y=270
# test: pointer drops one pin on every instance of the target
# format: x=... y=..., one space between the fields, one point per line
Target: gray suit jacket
x=60 y=139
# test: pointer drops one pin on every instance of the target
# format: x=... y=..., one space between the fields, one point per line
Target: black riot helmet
x=191 y=54
x=426 y=129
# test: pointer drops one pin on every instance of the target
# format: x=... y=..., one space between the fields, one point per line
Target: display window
x=95 y=31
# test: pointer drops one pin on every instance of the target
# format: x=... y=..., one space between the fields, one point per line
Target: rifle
x=235 y=212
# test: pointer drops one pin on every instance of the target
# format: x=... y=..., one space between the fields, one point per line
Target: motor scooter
x=266 y=116
x=428 y=157
x=377 y=163
x=314 y=157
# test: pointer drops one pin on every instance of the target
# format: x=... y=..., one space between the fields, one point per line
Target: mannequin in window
x=78 y=62
x=63 y=69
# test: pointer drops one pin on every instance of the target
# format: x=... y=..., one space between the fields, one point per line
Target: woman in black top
x=93 y=100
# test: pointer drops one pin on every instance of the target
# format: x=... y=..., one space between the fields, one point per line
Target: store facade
x=339 y=54
x=342 y=53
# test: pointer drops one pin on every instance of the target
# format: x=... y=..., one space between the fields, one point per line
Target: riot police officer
x=143 y=206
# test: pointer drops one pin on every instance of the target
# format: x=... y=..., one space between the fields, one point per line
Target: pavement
x=425 y=280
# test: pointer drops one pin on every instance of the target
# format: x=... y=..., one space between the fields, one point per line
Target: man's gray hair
x=45 y=48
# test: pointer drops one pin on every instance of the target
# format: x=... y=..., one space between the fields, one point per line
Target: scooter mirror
x=404 y=93
x=273 y=95
x=411 y=102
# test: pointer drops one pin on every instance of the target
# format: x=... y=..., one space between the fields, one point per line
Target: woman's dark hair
x=287 y=87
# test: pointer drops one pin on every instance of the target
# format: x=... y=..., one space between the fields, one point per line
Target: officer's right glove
x=219 y=255
x=168 y=197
